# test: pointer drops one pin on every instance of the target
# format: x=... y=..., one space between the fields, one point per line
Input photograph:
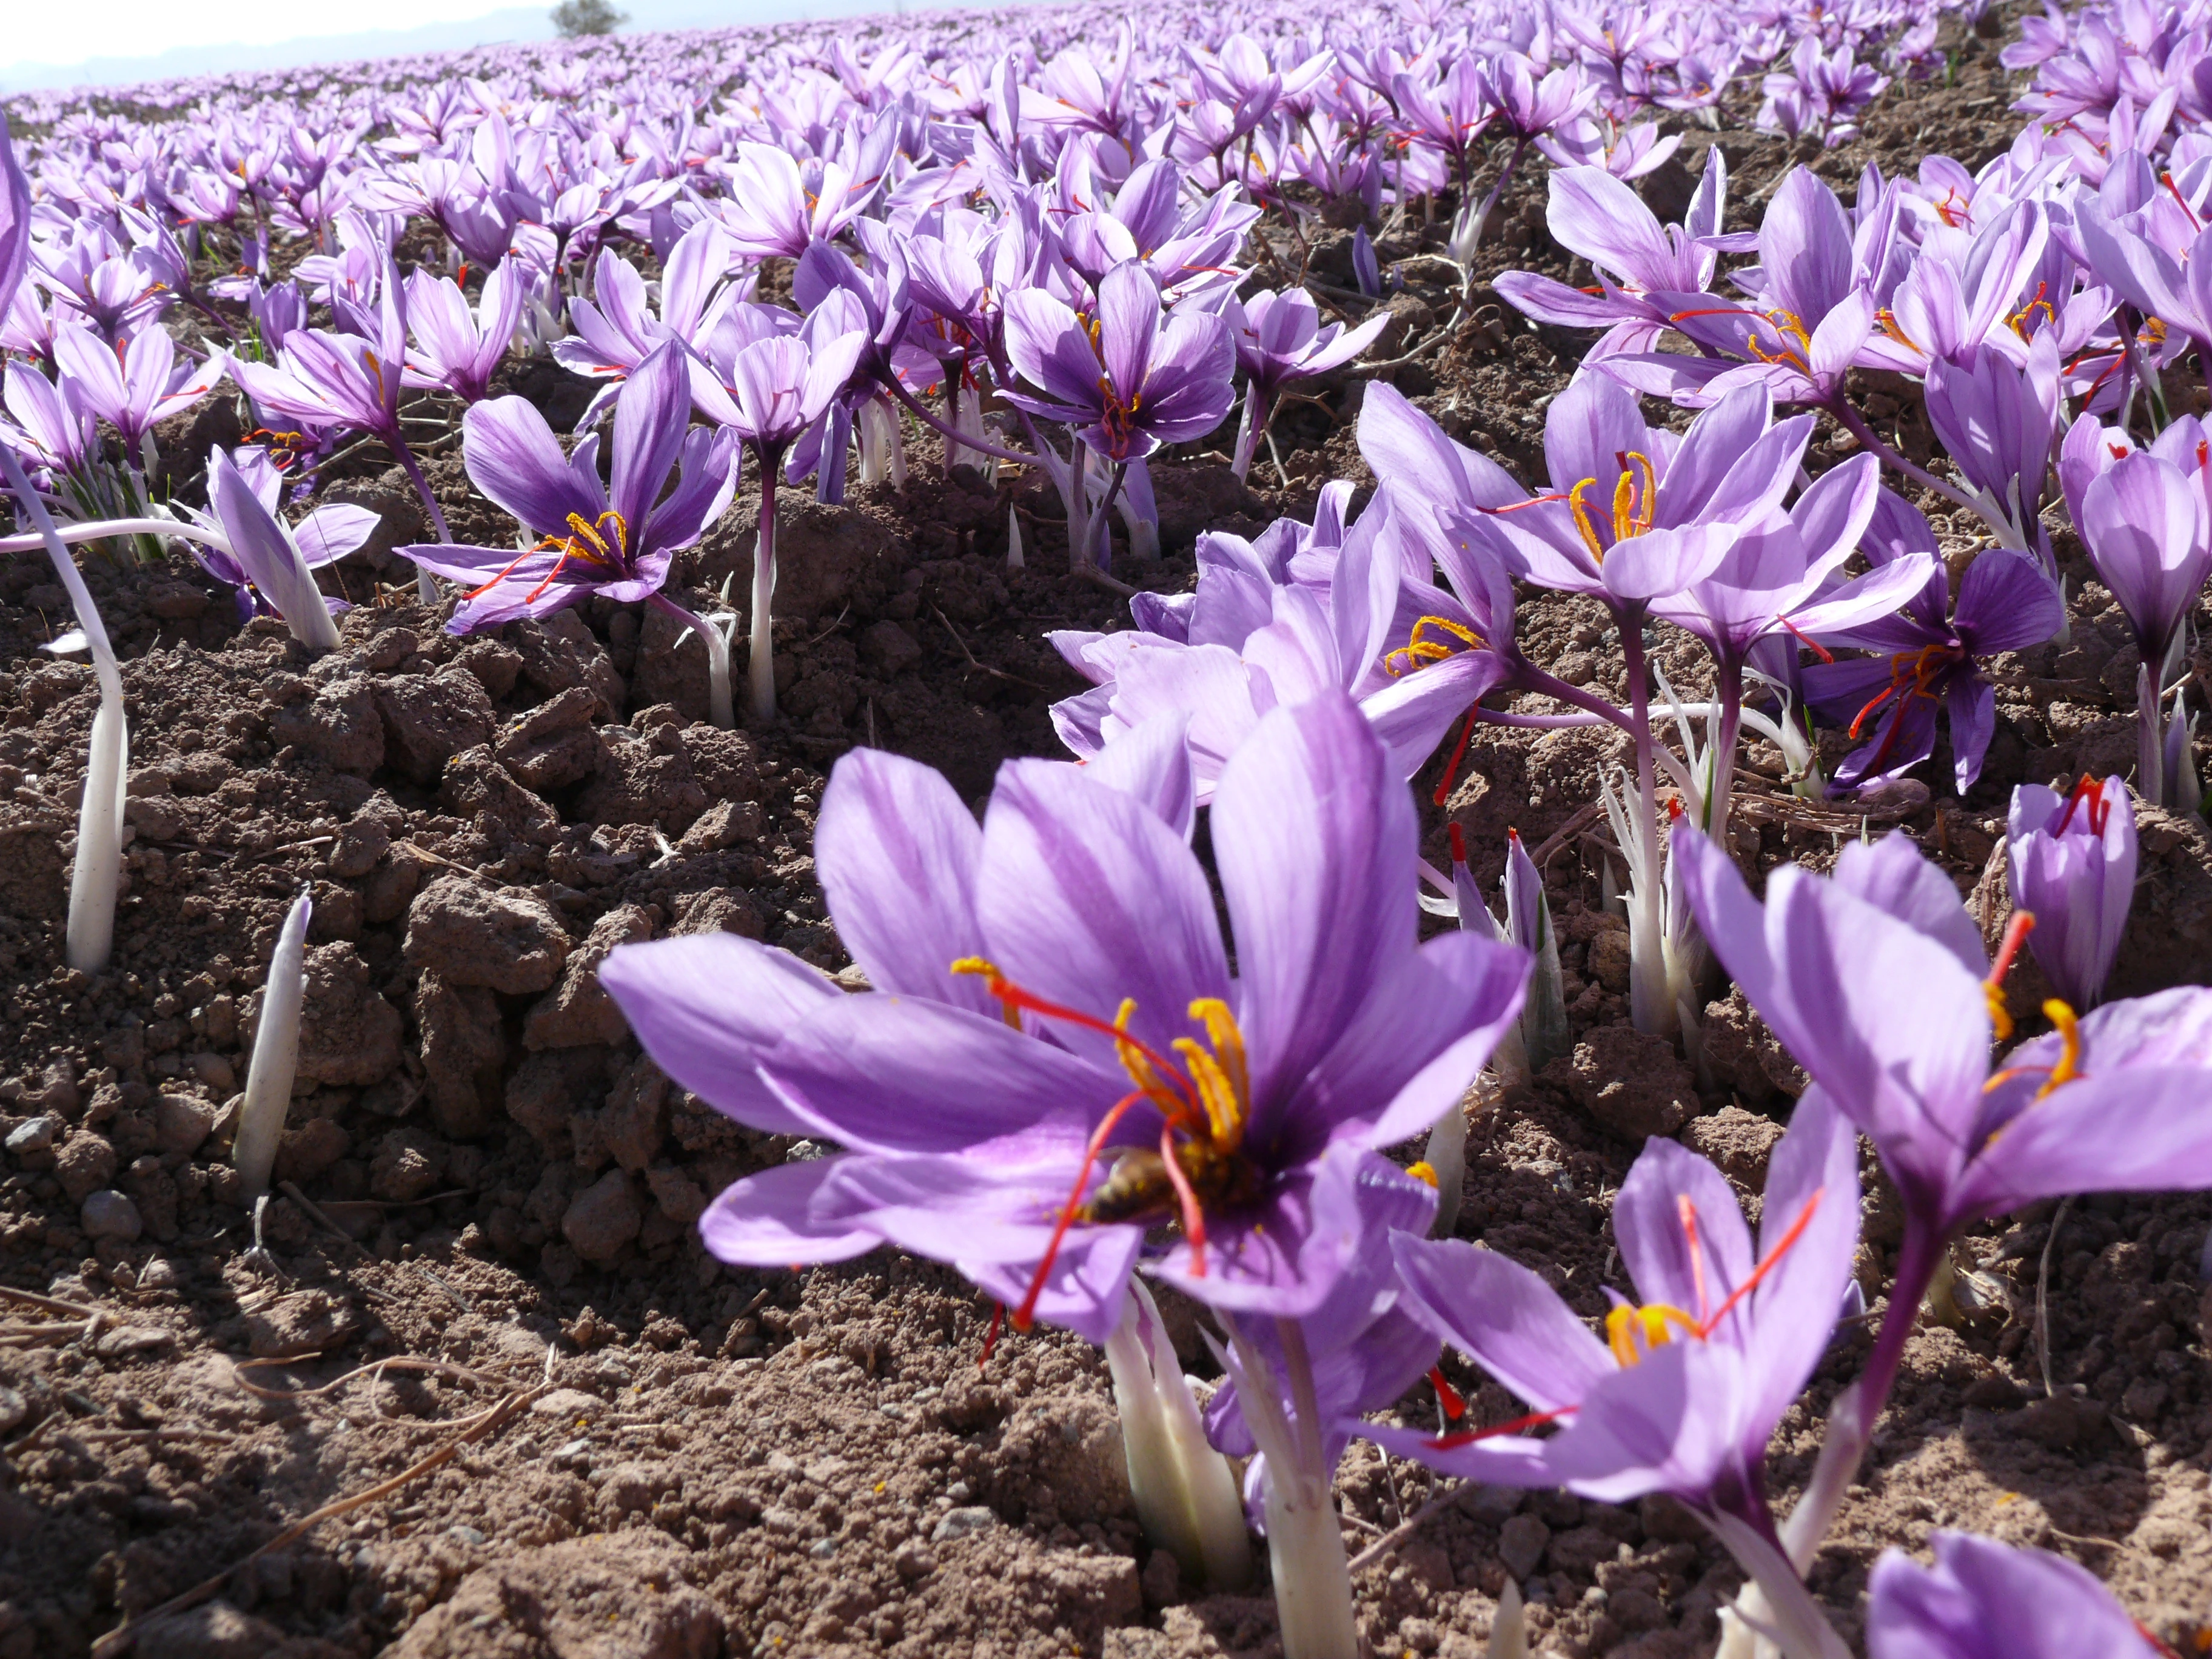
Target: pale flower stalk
x=95 y=876
x=1185 y=1495
x=276 y=1060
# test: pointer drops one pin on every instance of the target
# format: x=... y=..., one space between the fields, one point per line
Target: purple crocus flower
x=1632 y=256
x=616 y=541
x=1279 y=339
x=621 y=329
x=58 y=430
x=2144 y=519
x=136 y=385
x=1927 y=657
x=1266 y=629
x=15 y=221
x=1083 y=1011
x=457 y=349
x=2072 y=865
x=1125 y=379
x=1683 y=1394
x=327 y=379
x=1811 y=317
x=770 y=211
x=1999 y=420
x=1983 y=1600
x=266 y=561
x=766 y=385
x=1876 y=982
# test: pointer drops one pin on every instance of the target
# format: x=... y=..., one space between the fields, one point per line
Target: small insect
x=1137 y=1187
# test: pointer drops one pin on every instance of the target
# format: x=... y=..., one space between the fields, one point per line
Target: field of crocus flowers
x=1159 y=835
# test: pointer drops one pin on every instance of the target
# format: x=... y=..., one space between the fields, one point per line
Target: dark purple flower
x=1927 y=657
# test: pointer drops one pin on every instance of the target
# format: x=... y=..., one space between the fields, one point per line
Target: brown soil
x=483 y=1177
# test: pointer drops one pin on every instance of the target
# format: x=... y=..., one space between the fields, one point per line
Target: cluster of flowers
x=1037 y=254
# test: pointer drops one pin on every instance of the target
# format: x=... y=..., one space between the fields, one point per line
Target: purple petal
x=707 y=1006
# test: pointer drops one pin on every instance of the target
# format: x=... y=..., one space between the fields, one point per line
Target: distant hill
x=514 y=23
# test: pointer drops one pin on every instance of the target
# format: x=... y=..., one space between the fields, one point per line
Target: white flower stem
x=721 y=707
x=1185 y=1494
x=96 y=874
x=1446 y=1154
x=1305 y=1540
x=762 y=669
x=1509 y=1626
x=275 y=1055
x=1651 y=1006
x=101 y=529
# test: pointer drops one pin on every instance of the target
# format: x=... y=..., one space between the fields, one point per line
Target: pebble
x=1521 y=1543
x=108 y=1214
x=822 y=1548
x=14 y=1408
x=464 y=1535
x=962 y=1523
x=572 y=1404
x=35 y=1136
x=574 y=1449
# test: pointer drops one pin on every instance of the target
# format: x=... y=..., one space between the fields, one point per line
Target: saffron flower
x=1126 y=378
x=1983 y=1600
x=1594 y=214
x=136 y=384
x=1268 y=627
x=1927 y=658
x=267 y=562
x=1876 y=982
x=458 y=348
x=1083 y=1065
x=2072 y=866
x=1279 y=339
x=2144 y=518
x=766 y=385
x=1685 y=1388
x=614 y=542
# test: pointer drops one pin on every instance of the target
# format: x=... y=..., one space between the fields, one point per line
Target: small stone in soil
x=108 y=1214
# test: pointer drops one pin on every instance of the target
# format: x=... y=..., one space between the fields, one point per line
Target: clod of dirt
x=1742 y=1054
x=1738 y=1142
x=620 y=1596
x=1631 y=1082
x=214 y=1630
x=430 y=717
x=469 y=934
x=579 y=1011
x=602 y=1217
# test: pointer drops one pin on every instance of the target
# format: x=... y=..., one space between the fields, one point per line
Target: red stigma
x=991 y=1336
x=1449 y=1398
x=1459 y=754
x=2016 y=931
x=1468 y=1437
x=1458 y=842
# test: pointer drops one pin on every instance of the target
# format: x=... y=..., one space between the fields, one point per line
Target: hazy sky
x=46 y=33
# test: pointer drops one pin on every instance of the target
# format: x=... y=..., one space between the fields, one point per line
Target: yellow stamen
x=2069 y=1050
x=1581 y=513
x=1425 y=651
x=2000 y=1015
x=1423 y=1171
x=1656 y=1326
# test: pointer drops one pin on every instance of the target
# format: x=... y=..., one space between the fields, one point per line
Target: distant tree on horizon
x=575 y=18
